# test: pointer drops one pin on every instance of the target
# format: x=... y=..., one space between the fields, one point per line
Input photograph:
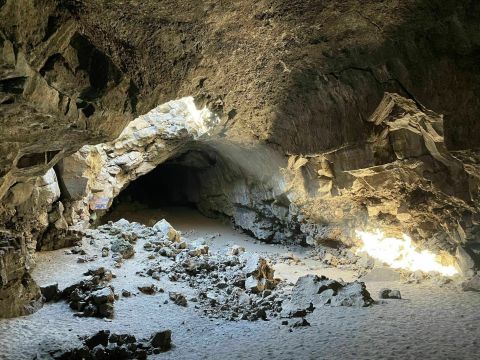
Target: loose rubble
x=91 y=297
x=234 y=284
x=106 y=346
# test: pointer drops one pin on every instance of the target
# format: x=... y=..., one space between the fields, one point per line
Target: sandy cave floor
x=430 y=322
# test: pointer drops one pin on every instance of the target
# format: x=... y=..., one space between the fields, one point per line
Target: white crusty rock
x=163 y=227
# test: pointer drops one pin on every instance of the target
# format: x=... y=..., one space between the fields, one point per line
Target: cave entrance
x=174 y=187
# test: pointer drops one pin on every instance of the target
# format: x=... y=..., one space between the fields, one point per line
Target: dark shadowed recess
x=173 y=183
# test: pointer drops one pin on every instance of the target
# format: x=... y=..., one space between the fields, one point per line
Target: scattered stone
x=389 y=294
x=86 y=258
x=126 y=293
x=148 y=289
x=300 y=323
x=177 y=298
x=352 y=294
x=105 y=252
x=236 y=250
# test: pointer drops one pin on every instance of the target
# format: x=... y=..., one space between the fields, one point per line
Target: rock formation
x=302 y=147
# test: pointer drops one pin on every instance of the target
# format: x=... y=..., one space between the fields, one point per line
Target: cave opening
x=181 y=183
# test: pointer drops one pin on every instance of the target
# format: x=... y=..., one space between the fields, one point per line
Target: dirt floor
x=430 y=322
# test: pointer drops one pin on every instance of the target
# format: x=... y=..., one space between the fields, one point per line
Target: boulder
x=166 y=230
x=311 y=291
x=102 y=296
x=161 y=340
x=50 y=292
x=352 y=294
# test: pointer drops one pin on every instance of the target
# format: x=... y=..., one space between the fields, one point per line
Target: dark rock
x=100 y=338
x=162 y=340
x=178 y=299
x=389 y=294
x=148 y=289
x=301 y=323
x=50 y=292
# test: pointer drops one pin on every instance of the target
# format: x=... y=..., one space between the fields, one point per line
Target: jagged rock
x=123 y=247
x=91 y=297
x=162 y=340
x=389 y=294
x=19 y=294
x=105 y=252
x=102 y=296
x=300 y=323
x=199 y=250
x=100 y=338
x=352 y=294
x=163 y=227
x=257 y=267
x=50 y=292
x=312 y=291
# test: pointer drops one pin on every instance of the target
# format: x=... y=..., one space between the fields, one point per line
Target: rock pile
x=312 y=291
x=229 y=286
x=106 y=346
x=92 y=297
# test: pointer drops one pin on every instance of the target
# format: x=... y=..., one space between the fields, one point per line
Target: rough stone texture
x=298 y=79
x=19 y=295
x=312 y=291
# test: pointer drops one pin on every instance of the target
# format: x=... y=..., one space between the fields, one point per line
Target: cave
x=239 y=179
x=176 y=182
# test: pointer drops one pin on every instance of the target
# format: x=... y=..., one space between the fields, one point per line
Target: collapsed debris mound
x=106 y=346
x=312 y=291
